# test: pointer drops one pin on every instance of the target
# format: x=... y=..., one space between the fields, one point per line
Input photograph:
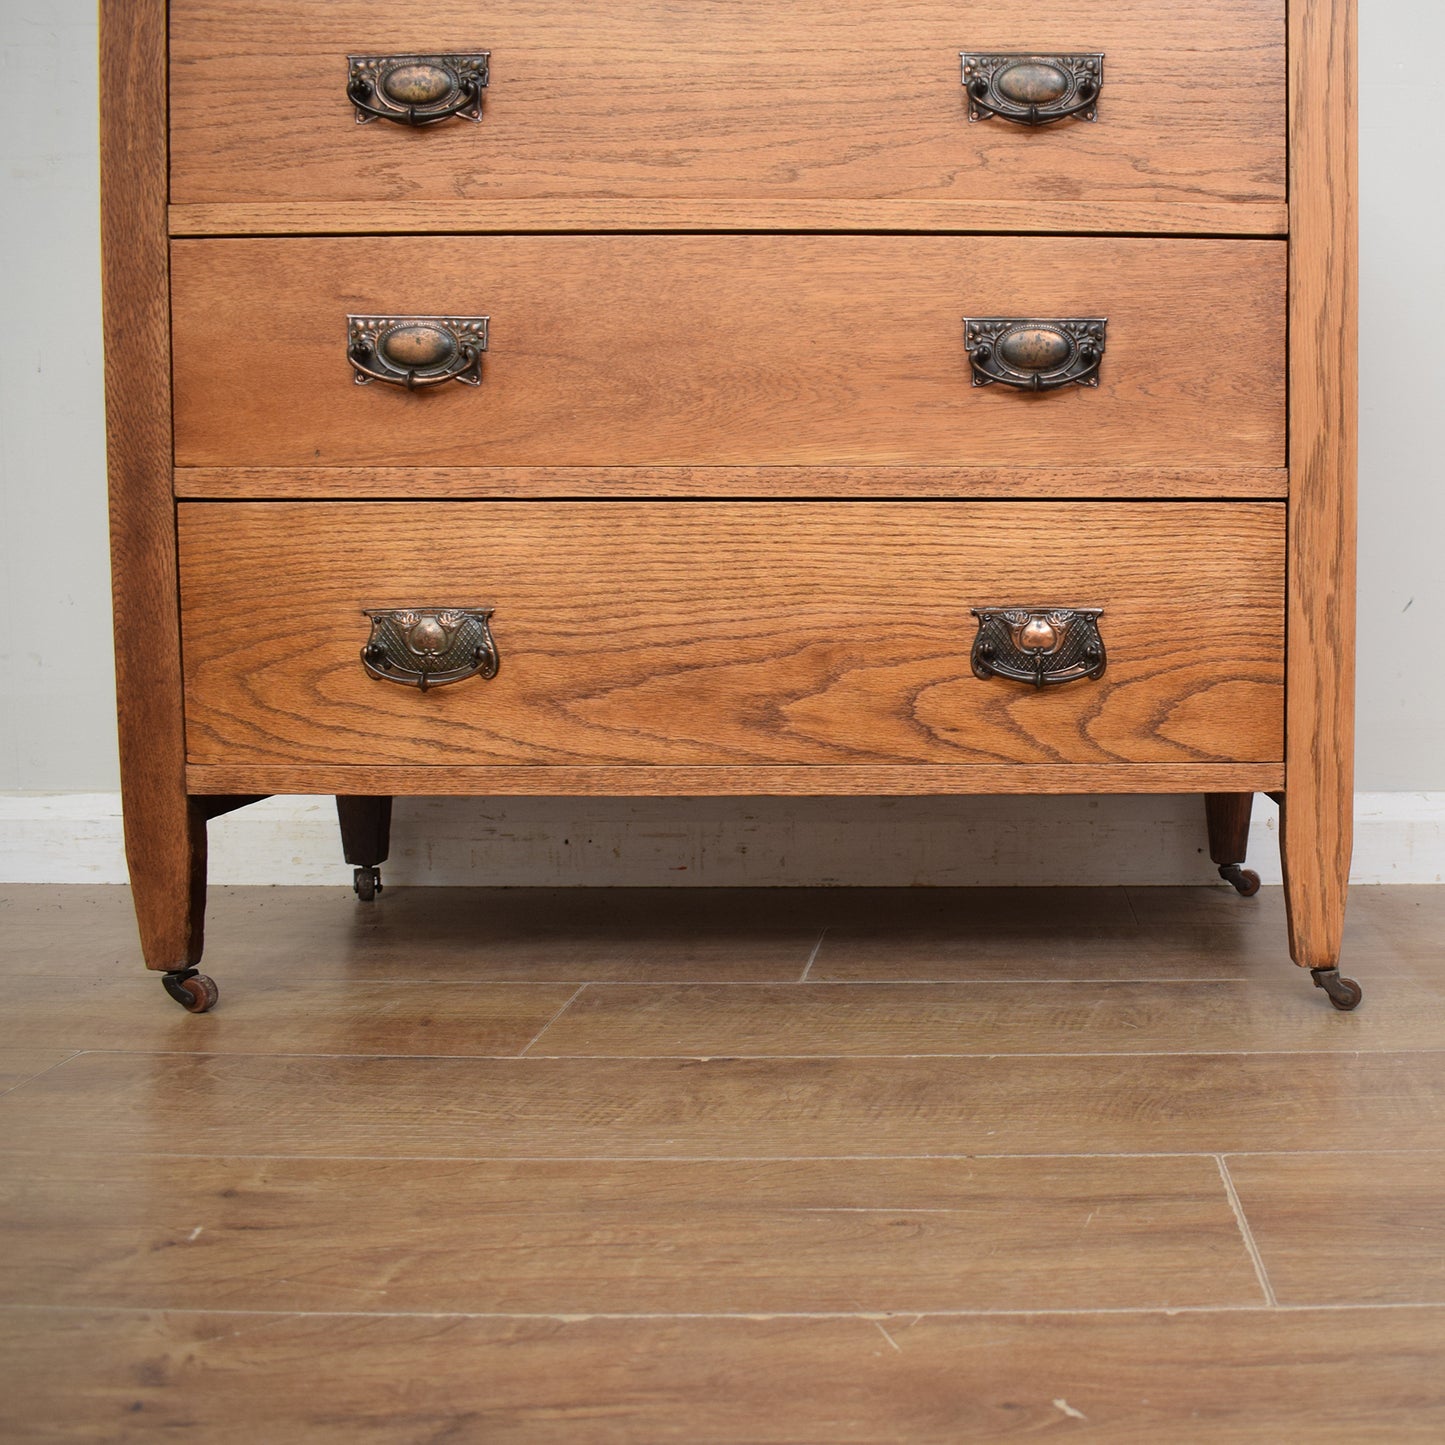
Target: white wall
x=56 y=709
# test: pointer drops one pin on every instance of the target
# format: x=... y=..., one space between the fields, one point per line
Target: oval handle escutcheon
x=1032 y=89
x=1035 y=353
x=417 y=90
x=416 y=351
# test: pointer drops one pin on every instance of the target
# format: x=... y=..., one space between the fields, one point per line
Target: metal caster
x=367 y=883
x=196 y=992
x=1344 y=993
x=1244 y=880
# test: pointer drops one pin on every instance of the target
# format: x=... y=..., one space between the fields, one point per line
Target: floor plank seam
x=31 y=1078
x=523 y=1053
x=1246 y=1233
x=1385 y=1051
x=812 y=957
x=48 y=1152
x=743 y=1316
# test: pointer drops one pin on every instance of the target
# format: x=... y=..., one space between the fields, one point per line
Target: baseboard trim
x=724 y=842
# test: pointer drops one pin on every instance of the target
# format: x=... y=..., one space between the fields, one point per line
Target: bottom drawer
x=724 y=633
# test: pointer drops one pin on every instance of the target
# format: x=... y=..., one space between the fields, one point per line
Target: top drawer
x=719 y=99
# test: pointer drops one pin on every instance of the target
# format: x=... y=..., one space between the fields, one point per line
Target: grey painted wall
x=56 y=710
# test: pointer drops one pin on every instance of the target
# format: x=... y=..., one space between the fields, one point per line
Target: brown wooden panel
x=645 y=1236
x=540 y=1108
x=349 y=483
x=165 y=837
x=717 y=350
x=807 y=780
x=502 y=217
x=1318 y=815
x=1347 y=1228
x=731 y=633
x=1231 y=1377
x=704 y=98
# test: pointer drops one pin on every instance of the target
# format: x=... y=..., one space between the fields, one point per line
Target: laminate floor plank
x=368 y=1219
x=21 y=1063
x=533 y=935
x=1347 y=1228
x=728 y=1108
x=656 y=1237
x=1332 y=1377
x=1284 y=1013
x=259 y=935
x=296 y=1015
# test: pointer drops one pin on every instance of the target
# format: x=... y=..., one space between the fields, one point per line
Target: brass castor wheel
x=1344 y=993
x=195 y=992
x=1245 y=881
x=367 y=883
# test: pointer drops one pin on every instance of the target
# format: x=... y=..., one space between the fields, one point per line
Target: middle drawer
x=729 y=350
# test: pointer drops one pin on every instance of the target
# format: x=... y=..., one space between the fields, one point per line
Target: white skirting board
x=724 y=842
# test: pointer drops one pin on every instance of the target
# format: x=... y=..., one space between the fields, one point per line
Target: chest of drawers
x=719 y=398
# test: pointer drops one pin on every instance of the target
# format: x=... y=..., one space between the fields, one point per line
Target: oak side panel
x=586 y=214
x=164 y=834
x=700 y=99
x=731 y=633
x=1317 y=818
x=730 y=350
x=348 y=483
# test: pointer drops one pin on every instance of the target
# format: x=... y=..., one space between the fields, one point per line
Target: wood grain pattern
x=292 y=1014
x=1237 y=1377
x=843 y=1020
x=806 y=780
x=697 y=98
x=726 y=350
x=165 y=835
x=25 y=1062
x=810 y=483
x=1333 y=1228
x=539 y=1108
x=718 y=633
x=586 y=214
x=493 y=935
x=574 y=1237
x=1317 y=814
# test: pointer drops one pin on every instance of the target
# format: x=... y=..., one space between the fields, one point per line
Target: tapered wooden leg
x=165 y=847
x=1227 y=817
x=365 y=840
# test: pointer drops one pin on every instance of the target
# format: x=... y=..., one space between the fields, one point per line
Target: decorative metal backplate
x=1041 y=645
x=417 y=89
x=429 y=646
x=1035 y=354
x=1032 y=89
x=416 y=351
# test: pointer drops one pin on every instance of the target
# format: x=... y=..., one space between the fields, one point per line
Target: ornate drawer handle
x=1035 y=355
x=1032 y=89
x=416 y=351
x=417 y=89
x=429 y=646
x=1041 y=645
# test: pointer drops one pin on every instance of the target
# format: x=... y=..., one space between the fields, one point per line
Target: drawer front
x=714 y=99
x=729 y=350
x=731 y=633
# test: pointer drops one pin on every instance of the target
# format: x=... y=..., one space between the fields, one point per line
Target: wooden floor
x=822 y=1166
